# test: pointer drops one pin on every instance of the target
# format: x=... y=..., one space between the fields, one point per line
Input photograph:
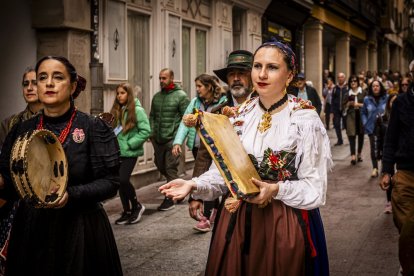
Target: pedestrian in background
x=398 y=152
x=373 y=107
x=327 y=100
x=339 y=99
x=307 y=93
x=354 y=127
x=74 y=235
x=209 y=95
x=380 y=131
x=167 y=109
x=237 y=76
x=29 y=85
x=405 y=83
x=131 y=127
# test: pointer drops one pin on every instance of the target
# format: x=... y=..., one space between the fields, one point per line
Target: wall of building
x=17 y=51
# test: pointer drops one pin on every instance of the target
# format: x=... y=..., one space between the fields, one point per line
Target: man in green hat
x=237 y=75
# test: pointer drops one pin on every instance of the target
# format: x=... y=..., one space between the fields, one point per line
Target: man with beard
x=167 y=108
x=238 y=78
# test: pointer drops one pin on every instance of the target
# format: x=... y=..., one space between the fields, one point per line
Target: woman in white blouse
x=286 y=237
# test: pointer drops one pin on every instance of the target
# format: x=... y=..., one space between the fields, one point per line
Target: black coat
x=312 y=96
x=76 y=239
x=399 y=138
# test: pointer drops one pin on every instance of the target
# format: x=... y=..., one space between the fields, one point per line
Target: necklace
x=266 y=121
x=64 y=133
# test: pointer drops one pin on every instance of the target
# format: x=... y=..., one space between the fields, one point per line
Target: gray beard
x=240 y=92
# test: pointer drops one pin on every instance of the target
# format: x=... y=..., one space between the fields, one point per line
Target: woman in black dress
x=74 y=237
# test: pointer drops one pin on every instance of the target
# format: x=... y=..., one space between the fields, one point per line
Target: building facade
x=114 y=41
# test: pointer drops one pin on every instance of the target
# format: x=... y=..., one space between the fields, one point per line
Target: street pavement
x=361 y=239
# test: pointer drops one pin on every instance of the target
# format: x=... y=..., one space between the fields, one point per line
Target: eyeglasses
x=27 y=82
x=354 y=80
x=404 y=84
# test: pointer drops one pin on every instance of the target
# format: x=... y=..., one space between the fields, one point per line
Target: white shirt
x=299 y=130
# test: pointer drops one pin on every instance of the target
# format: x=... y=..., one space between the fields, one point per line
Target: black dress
x=76 y=239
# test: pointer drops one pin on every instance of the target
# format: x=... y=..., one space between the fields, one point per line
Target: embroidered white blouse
x=292 y=129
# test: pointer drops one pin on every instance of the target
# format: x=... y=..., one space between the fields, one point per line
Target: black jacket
x=312 y=96
x=339 y=98
x=399 y=138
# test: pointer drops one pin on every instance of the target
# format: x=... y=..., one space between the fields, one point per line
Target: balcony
x=387 y=24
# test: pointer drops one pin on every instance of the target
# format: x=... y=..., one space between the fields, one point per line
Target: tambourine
x=39 y=168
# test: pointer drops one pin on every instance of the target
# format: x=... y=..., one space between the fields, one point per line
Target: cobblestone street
x=362 y=240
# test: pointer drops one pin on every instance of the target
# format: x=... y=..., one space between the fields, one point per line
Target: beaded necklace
x=266 y=121
x=64 y=133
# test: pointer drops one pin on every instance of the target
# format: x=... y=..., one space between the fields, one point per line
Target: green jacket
x=131 y=143
x=167 y=109
x=184 y=131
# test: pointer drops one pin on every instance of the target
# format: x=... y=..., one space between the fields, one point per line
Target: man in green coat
x=167 y=109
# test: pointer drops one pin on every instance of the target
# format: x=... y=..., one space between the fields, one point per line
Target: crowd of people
x=278 y=231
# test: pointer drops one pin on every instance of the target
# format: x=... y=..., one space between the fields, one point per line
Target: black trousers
x=352 y=140
x=372 y=143
x=327 y=115
x=165 y=161
x=337 y=125
x=126 y=190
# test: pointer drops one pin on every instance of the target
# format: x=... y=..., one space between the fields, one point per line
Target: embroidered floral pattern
x=276 y=165
x=302 y=104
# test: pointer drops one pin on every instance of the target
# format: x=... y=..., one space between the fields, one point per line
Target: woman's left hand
x=62 y=202
x=267 y=192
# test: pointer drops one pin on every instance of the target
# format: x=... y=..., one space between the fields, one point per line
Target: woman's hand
x=267 y=192
x=176 y=150
x=62 y=202
x=195 y=208
x=177 y=189
x=385 y=181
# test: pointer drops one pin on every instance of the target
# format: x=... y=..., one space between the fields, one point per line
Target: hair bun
x=81 y=85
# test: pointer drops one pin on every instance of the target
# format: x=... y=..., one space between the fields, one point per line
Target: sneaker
x=166 y=205
x=123 y=219
x=388 y=208
x=136 y=215
x=374 y=173
x=203 y=225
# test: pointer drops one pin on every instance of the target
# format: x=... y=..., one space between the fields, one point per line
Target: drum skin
x=39 y=168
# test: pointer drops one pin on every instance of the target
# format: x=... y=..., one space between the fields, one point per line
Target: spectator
x=354 y=126
x=405 y=83
x=380 y=130
x=339 y=98
x=399 y=152
x=373 y=107
x=327 y=95
x=132 y=129
x=237 y=75
x=307 y=93
x=167 y=109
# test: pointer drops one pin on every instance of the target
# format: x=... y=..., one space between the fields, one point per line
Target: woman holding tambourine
x=71 y=236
